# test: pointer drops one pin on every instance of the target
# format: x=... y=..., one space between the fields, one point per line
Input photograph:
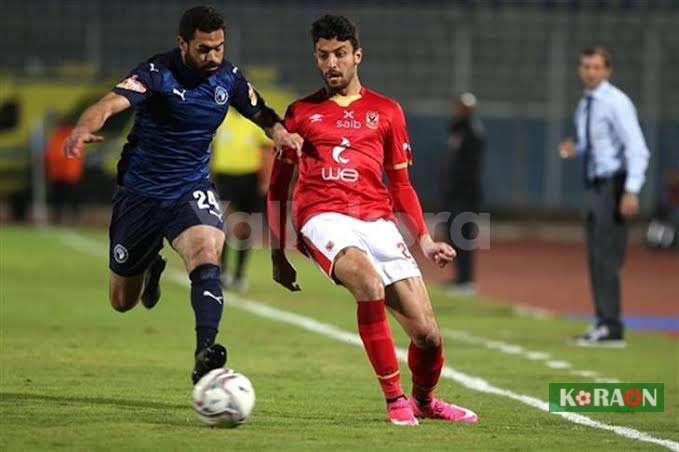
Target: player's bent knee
x=120 y=302
x=371 y=286
x=124 y=291
x=205 y=255
x=364 y=285
x=427 y=338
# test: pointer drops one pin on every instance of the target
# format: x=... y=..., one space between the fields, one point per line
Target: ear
x=358 y=56
x=183 y=45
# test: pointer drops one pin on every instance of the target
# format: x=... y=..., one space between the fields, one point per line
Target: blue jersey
x=177 y=113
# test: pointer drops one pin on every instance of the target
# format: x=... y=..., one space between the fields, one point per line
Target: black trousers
x=606 y=234
x=464 y=261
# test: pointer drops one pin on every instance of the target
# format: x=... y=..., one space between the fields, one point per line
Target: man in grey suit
x=615 y=158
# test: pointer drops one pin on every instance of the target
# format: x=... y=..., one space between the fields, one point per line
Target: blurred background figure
x=663 y=230
x=461 y=188
x=63 y=176
x=241 y=156
x=615 y=158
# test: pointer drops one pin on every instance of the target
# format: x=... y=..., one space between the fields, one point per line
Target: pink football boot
x=438 y=409
x=399 y=412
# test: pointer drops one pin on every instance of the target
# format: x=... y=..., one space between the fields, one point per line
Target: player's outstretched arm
x=398 y=157
x=91 y=121
x=277 y=206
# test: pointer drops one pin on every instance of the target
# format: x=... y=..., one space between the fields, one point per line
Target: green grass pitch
x=76 y=375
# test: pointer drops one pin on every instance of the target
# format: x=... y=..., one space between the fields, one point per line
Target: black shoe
x=151 y=293
x=209 y=358
x=601 y=336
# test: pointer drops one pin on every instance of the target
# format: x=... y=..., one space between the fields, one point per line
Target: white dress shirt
x=617 y=143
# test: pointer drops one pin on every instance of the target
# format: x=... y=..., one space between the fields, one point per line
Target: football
x=223 y=398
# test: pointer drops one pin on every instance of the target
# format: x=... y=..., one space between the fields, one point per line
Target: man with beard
x=344 y=214
x=181 y=97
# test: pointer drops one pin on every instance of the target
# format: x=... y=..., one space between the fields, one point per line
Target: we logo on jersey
x=337 y=151
x=344 y=174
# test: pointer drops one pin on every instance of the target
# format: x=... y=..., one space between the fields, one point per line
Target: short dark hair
x=203 y=18
x=340 y=27
x=598 y=50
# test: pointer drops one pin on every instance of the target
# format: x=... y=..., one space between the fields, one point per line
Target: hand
x=629 y=205
x=439 y=252
x=567 y=149
x=75 y=143
x=283 y=272
x=284 y=139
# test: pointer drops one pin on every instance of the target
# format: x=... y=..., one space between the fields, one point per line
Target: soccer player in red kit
x=343 y=214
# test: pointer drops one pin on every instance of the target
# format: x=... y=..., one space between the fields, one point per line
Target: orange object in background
x=58 y=167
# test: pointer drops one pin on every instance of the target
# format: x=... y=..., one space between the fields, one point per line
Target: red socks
x=373 y=328
x=425 y=365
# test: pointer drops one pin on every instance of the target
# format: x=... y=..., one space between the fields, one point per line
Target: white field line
x=537 y=356
x=513 y=349
x=475 y=383
x=554 y=364
x=585 y=373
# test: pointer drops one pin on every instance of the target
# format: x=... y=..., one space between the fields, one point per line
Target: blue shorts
x=139 y=224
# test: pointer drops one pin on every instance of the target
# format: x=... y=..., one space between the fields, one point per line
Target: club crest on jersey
x=316 y=117
x=372 y=119
x=348 y=122
x=252 y=95
x=221 y=96
x=132 y=84
x=120 y=254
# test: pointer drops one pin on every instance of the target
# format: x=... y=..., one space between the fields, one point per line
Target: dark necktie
x=588 y=139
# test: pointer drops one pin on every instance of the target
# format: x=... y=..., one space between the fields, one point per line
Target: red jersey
x=346 y=151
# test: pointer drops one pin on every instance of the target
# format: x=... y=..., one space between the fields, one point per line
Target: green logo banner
x=606 y=397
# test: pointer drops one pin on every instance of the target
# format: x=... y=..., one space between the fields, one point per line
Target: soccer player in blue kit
x=180 y=97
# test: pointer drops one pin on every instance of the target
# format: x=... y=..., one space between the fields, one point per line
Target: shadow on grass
x=17 y=396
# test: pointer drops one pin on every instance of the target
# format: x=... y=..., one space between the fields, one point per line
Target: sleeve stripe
x=402 y=165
